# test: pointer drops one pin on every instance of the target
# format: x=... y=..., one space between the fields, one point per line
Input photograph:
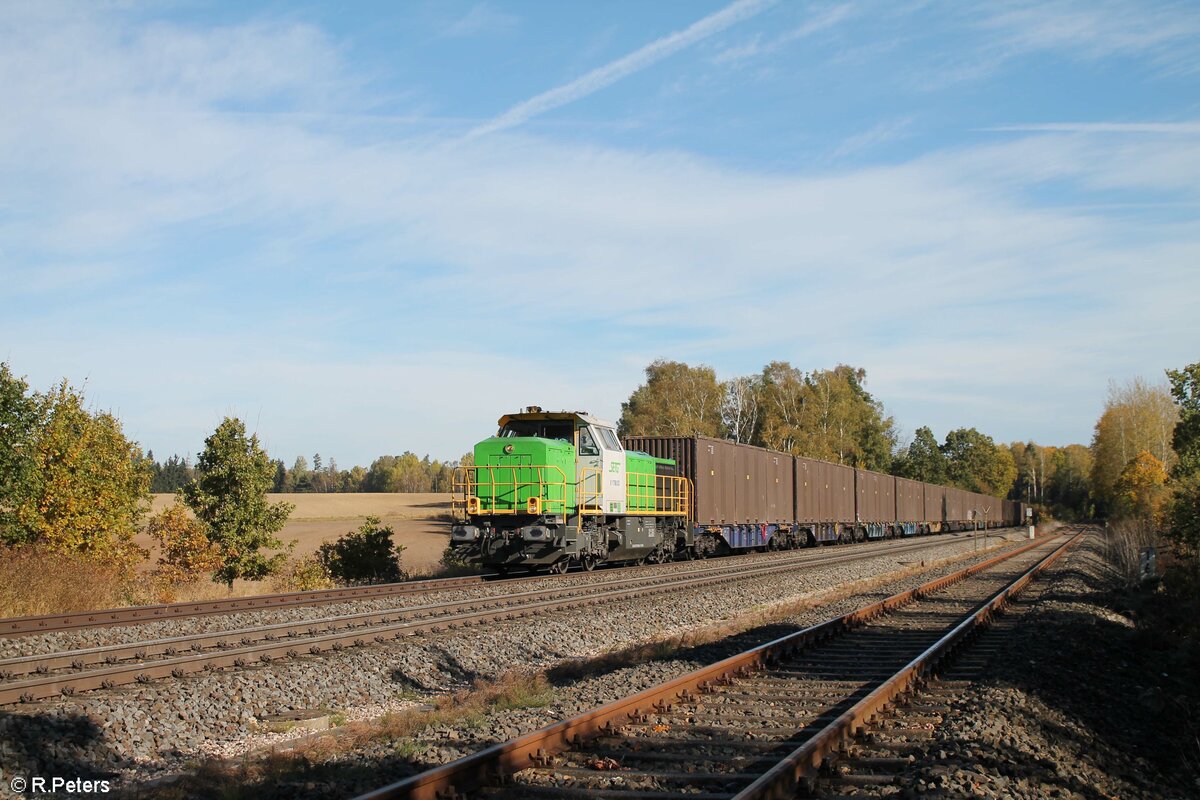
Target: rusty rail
x=479 y=769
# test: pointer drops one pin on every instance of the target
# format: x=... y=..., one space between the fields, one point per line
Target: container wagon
x=743 y=496
x=825 y=501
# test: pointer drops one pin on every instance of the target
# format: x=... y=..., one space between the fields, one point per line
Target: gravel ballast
x=142 y=731
x=1071 y=708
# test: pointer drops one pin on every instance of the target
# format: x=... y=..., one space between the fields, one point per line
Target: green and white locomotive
x=556 y=489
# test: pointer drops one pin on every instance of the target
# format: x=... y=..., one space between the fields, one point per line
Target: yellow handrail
x=505 y=481
x=590 y=501
x=670 y=496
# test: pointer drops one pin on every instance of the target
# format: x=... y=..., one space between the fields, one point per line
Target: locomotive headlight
x=464 y=533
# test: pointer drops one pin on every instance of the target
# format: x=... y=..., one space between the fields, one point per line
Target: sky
x=372 y=227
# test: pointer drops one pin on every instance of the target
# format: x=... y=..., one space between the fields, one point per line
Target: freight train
x=556 y=489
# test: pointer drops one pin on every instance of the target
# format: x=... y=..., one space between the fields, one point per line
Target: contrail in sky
x=627 y=65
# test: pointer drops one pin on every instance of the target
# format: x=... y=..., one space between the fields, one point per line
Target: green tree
x=1068 y=489
x=301 y=477
x=676 y=400
x=1184 y=511
x=975 y=463
x=20 y=423
x=923 y=459
x=353 y=479
x=1185 y=438
x=228 y=496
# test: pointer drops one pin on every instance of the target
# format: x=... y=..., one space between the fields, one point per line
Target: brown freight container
x=824 y=491
x=935 y=502
x=732 y=483
x=876 y=496
x=910 y=500
x=955 y=505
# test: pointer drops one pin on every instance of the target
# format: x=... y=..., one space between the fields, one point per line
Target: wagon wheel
x=558 y=567
x=588 y=562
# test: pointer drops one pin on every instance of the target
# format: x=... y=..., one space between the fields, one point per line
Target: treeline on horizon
x=825 y=414
x=406 y=472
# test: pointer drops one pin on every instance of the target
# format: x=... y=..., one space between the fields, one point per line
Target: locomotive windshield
x=544 y=428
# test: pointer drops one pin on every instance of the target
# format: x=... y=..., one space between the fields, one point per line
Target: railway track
x=37 y=677
x=136 y=615
x=759 y=724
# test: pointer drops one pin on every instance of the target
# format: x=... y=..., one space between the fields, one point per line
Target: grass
x=35 y=581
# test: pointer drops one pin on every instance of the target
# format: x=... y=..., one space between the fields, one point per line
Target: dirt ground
x=419 y=522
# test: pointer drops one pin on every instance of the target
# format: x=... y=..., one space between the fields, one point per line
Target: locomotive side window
x=610 y=438
x=587 y=445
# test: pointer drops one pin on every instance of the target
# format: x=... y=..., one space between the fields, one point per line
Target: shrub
x=187 y=555
x=303 y=575
x=365 y=556
x=453 y=563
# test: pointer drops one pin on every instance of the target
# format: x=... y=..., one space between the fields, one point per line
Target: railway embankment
x=1083 y=700
x=141 y=731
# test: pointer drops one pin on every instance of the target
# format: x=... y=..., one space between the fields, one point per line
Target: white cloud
x=967 y=302
x=625 y=66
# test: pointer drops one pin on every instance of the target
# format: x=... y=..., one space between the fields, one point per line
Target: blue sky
x=376 y=227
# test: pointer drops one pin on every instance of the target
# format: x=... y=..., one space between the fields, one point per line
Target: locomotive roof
x=538 y=414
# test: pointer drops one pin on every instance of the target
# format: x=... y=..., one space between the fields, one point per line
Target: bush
x=453 y=563
x=303 y=575
x=365 y=556
x=187 y=555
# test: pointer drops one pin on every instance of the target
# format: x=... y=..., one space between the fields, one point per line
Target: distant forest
x=403 y=473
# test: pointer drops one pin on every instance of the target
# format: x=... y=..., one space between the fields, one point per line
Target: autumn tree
x=923 y=459
x=68 y=477
x=975 y=463
x=845 y=423
x=1140 y=488
x=783 y=391
x=676 y=400
x=186 y=554
x=1137 y=416
x=228 y=496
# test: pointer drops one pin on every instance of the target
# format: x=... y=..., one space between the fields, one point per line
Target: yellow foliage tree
x=187 y=554
x=1137 y=417
x=1141 y=488
x=93 y=482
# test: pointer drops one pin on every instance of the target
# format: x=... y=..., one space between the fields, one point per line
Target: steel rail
x=46 y=686
x=491 y=764
x=135 y=615
x=141 y=650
